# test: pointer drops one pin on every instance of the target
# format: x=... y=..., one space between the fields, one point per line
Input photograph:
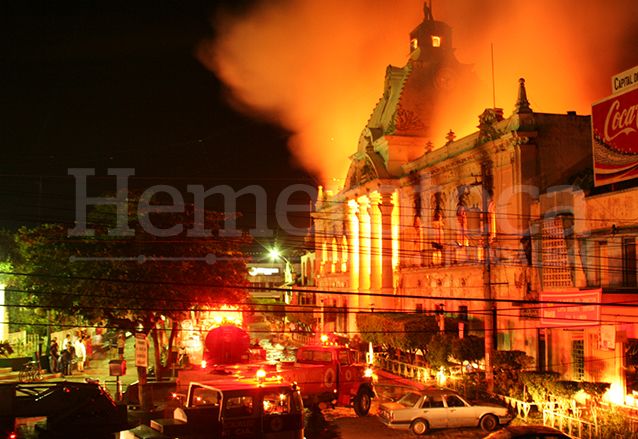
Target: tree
x=470 y=348
x=508 y=365
x=408 y=332
x=134 y=281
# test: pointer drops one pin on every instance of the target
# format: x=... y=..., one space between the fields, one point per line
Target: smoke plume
x=316 y=67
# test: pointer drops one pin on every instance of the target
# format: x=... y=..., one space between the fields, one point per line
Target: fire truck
x=248 y=408
x=324 y=372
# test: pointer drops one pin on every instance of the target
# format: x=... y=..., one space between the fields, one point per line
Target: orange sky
x=317 y=67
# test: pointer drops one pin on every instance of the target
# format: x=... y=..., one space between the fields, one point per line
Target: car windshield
x=409 y=399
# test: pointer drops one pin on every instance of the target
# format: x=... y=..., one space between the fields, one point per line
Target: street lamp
x=290 y=269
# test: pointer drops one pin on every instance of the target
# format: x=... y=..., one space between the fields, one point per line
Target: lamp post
x=288 y=279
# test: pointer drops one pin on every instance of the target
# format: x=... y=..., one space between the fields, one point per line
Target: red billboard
x=615 y=138
x=570 y=308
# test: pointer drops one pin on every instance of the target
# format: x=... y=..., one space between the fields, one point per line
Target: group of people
x=76 y=350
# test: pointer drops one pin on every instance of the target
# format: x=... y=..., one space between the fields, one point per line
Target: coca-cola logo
x=615 y=122
x=620 y=121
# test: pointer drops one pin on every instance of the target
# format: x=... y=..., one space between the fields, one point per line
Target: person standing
x=80 y=353
x=54 y=355
x=67 y=342
x=97 y=343
x=66 y=360
x=121 y=343
x=89 y=350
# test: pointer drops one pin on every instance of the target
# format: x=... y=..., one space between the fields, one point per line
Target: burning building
x=481 y=227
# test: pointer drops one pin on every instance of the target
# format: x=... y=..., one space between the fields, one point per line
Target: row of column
x=369 y=234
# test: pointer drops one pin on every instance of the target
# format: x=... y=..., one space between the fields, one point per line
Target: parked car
x=527 y=432
x=422 y=410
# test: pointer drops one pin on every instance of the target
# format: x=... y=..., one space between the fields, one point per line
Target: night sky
x=108 y=84
x=112 y=85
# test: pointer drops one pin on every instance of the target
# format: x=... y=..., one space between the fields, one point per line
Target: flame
x=317 y=67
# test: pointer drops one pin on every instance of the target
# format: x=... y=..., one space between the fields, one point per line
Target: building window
x=578 y=359
x=414 y=44
x=436 y=41
x=463 y=314
x=419 y=308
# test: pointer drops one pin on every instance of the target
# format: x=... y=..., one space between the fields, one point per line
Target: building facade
x=483 y=228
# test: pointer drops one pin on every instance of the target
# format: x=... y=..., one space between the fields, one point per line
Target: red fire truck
x=325 y=373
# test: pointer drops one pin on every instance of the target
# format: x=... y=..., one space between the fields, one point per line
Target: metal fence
x=571 y=426
x=23 y=344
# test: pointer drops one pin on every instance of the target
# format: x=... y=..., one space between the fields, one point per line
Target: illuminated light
x=204 y=364
x=334 y=391
x=324 y=338
x=218 y=319
x=368 y=373
x=440 y=377
x=616 y=395
x=261 y=375
x=282 y=397
x=436 y=41
x=199 y=398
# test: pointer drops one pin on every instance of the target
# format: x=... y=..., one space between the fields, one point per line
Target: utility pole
x=487 y=282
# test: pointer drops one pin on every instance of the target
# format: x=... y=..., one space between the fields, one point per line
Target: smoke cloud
x=316 y=67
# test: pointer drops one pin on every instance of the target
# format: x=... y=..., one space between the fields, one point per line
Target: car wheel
x=420 y=426
x=489 y=422
x=362 y=402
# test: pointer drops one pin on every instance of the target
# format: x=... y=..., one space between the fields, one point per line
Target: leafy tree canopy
x=130 y=280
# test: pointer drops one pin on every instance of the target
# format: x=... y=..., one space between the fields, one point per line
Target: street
x=343 y=423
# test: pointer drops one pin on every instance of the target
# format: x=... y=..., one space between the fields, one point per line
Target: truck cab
x=349 y=381
x=233 y=409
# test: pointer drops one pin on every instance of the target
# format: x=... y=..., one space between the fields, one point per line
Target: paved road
x=343 y=423
x=347 y=425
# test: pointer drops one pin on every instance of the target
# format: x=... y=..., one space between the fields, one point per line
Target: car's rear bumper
x=399 y=425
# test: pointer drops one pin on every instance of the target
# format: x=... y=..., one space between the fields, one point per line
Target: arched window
x=437 y=229
x=334 y=258
x=461 y=217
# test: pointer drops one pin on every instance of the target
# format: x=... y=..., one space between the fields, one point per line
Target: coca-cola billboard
x=615 y=138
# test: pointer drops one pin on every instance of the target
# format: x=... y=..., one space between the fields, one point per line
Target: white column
x=364 y=254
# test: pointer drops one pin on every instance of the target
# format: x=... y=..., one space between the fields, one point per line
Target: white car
x=422 y=410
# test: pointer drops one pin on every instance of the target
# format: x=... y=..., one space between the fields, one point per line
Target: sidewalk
x=98 y=369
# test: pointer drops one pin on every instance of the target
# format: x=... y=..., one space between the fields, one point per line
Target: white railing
x=418 y=374
x=572 y=427
x=523 y=408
